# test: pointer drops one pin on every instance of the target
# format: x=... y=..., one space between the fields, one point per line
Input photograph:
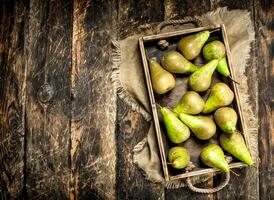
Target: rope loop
x=208 y=190
x=185 y=20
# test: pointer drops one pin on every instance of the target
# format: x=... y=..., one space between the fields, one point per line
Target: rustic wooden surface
x=64 y=134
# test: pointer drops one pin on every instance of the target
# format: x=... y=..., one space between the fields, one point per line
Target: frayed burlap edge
x=250 y=119
x=115 y=78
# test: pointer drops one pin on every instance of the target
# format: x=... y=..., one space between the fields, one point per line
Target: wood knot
x=45 y=93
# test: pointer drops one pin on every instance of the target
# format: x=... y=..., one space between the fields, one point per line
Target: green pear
x=177 y=131
x=235 y=145
x=174 y=62
x=191 y=46
x=178 y=157
x=220 y=95
x=216 y=50
x=202 y=127
x=222 y=67
x=213 y=156
x=162 y=80
x=200 y=80
x=226 y=119
x=190 y=103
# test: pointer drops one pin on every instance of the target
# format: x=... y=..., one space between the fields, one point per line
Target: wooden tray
x=149 y=48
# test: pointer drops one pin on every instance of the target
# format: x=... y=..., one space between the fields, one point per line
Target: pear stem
x=233 y=80
x=169 y=163
x=234 y=173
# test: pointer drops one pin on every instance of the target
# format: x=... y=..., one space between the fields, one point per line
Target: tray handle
x=209 y=190
x=185 y=20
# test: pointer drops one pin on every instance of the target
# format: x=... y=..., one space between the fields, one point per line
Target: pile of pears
x=191 y=115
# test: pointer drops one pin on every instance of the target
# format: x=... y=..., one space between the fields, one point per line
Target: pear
x=226 y=119
x=213 y=156
x=191 y=46
x=202 y=127
x=190 y=103
x=174 y=62
x=177 y=131
x=222 y=67
x=178 y=157
x=200 y=80
x=162 y=80
x=235 y=145
x=216 y=50
x=220 y=95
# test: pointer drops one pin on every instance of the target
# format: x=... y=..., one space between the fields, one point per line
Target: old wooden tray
x=149 y=48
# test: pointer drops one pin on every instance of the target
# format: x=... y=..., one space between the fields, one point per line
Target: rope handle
x=185 y=20
x=209 y=190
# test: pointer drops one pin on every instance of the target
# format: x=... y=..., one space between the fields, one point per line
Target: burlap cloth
x=128 y=79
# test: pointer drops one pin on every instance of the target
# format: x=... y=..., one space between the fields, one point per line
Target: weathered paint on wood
x=48 y=59
x=93 y=147
x=12 y=98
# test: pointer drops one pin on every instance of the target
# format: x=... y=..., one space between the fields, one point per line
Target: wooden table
x=63 y=131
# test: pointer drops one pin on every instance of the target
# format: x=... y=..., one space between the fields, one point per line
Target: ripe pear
x=226 y=119
x=213 y=156
x=235 y=145
x=200 y=80
x=190 y=103
x=162 y=80
x=220 y=95
x=191 y=46
x=216 y=50
x=174 y=62
x=177 y=131
x=202 y=127
x=178 y=157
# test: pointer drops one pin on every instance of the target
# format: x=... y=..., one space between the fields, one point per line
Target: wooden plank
x=265 y=36
x=93 y=147
x=131 y=183
x=131 y=126
x=185 y=193
x=181 y=9
x=244 y=186
x=13 y=16
x=48 y=99
x=135 y=13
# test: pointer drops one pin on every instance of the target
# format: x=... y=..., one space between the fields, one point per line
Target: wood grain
x=244 y=186
x=130 y=181
x=12 y=98
x=265 y=52
x=183 y=9
x=93 y=147
x=48 y=99
x=66 y=138
x=131 y=126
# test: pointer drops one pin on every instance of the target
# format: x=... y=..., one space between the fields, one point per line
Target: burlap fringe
x=115 y=78
x=250 y=118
